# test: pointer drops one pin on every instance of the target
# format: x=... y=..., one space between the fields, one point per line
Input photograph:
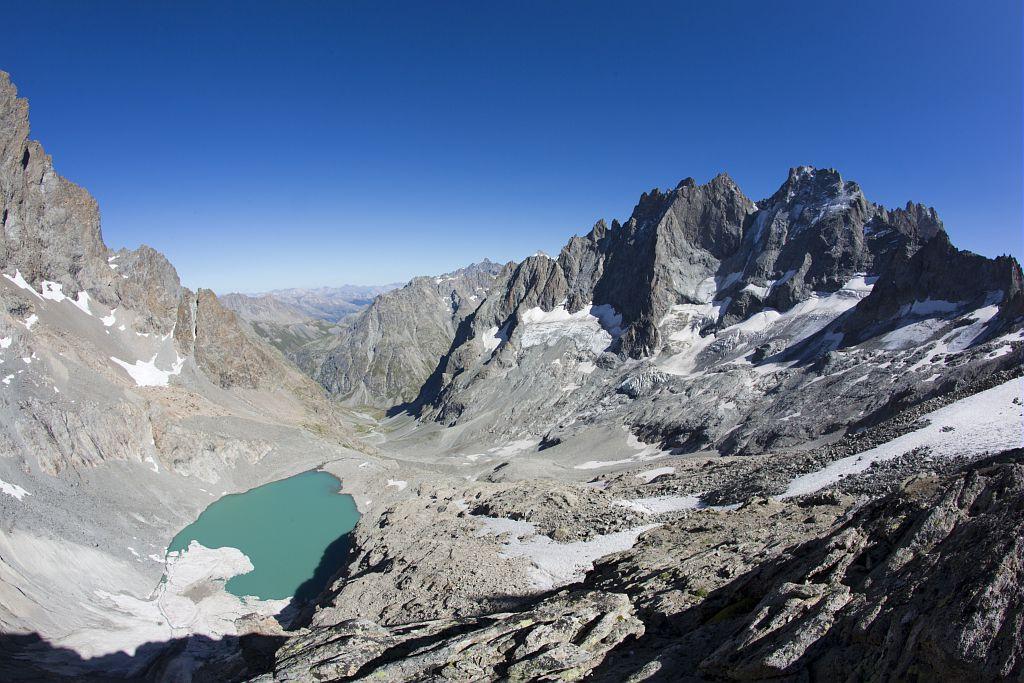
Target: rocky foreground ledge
x=923 y=583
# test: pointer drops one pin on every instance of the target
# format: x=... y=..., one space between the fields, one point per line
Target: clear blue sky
x=263 y=145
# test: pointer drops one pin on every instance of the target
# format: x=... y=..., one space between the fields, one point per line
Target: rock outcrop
x=939 y=276
x=921 y=584
x=563 y=638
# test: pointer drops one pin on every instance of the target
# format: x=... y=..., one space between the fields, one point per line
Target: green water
x=294 y=531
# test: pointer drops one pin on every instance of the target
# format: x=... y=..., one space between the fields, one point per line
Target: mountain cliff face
x=382 y=355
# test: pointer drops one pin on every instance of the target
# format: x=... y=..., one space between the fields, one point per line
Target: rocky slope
x=817 y=586
x=383 y=355
x=922 y=584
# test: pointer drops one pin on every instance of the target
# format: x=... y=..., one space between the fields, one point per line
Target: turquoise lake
x=294 y=531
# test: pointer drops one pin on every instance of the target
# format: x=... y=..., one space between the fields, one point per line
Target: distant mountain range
x=292 y=318
x=330 y=304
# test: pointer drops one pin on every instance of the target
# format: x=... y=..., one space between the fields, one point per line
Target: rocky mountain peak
x=939 y=276
x=50 y=226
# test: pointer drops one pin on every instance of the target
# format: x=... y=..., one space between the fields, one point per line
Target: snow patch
x=13 y=490
x=655 y=505
x=82 y=302
x=650 y=475
x=556 y=564
x=986 y=422
x=20 y=281
x=397 y=483
x=493 y=338
x=592 y=327
x=682 y=356
x=53 y=291
x=147 y=374
x=930 y=307
x=644 y=452
x=182 y=604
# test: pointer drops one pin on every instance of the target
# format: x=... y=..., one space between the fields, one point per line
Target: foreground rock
x=563 y=637
x=922 y=584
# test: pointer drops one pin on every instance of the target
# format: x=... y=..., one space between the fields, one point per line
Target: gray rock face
x=670 y=245
x=51 y=227
x=923 y=583
x=939 y=274
x=562 y=638
x=385 y=353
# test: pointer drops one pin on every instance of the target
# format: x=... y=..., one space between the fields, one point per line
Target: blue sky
x=264 y=145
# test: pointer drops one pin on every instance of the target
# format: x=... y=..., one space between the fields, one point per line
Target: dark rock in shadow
x=29 y=657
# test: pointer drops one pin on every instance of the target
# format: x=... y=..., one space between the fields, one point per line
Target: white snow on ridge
x=592 y=327
x=803 y=320
x=20 y=281
x=5 y=342
x=397 y=483
x=986 y=422
x=53 y=291
x=493 y=338
x=13 y=490
x=30 y=321
x=82 y=302
x=147 y=374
